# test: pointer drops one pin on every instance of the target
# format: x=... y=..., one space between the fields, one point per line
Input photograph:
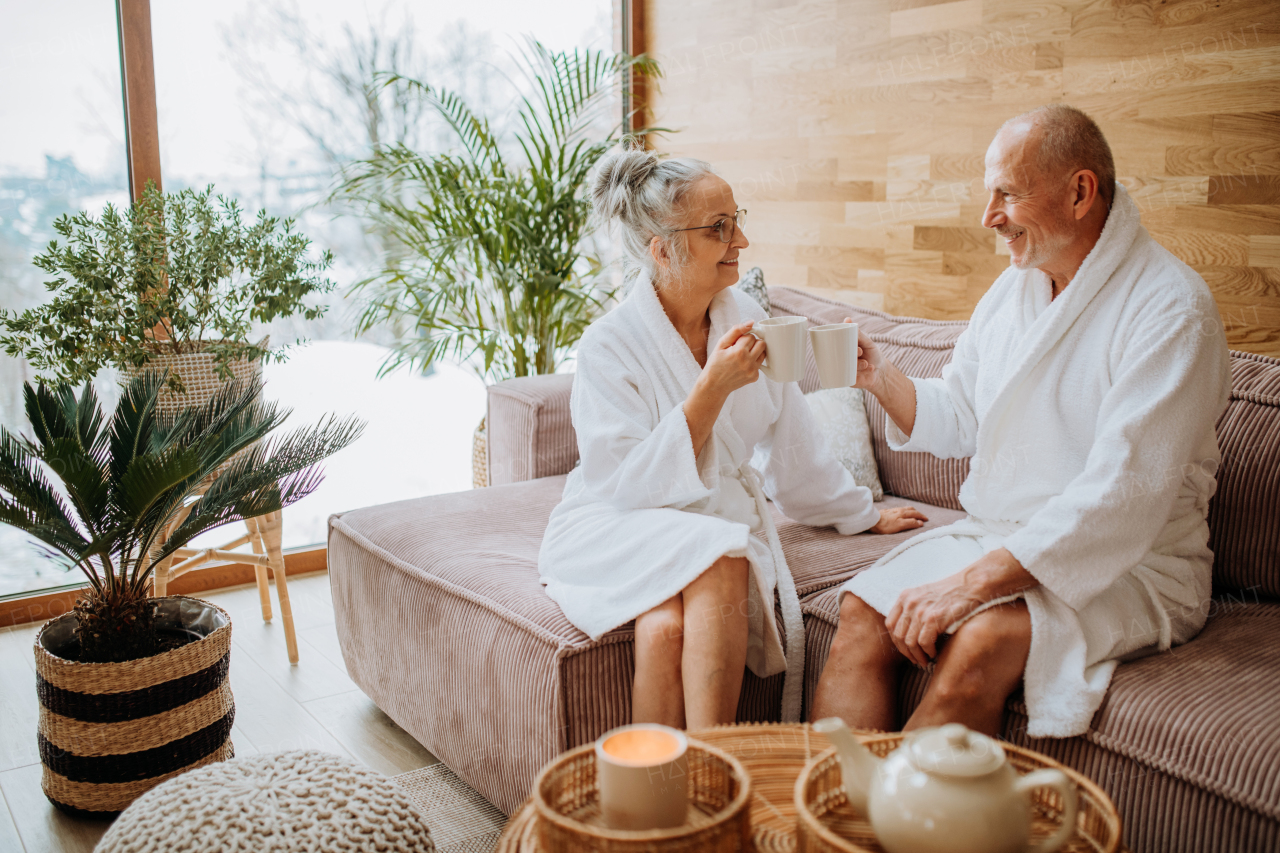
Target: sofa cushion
x=1244 y=516
x=1200 y=719
x=920 y=348
x=443 y=622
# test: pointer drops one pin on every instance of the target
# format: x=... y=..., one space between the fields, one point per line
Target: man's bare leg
x=860 y=681
x=715 y=642
x=657 y=694
x=976 y=671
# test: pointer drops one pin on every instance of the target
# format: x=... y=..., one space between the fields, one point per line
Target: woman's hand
x=899 y=518
x=735 y=360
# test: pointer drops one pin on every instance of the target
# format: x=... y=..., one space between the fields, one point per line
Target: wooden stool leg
x=272 y=534
x=160 y=578
x=264 y=590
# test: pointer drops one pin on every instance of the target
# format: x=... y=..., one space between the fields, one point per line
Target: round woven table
x=773 y=755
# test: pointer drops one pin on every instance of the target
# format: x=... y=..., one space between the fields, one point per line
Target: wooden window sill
x=42 y=606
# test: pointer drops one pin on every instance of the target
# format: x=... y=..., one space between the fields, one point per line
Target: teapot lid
x=954 y=750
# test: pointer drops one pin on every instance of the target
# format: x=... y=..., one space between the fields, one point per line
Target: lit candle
x=642 y=773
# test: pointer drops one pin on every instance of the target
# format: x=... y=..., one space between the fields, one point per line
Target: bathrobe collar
x=1122 y=230
x=675 y=353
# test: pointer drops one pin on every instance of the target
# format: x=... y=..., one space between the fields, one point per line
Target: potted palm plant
x=493 y=263
x=134 y=689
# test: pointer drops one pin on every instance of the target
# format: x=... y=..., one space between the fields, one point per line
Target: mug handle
x=765 y=367
x=1056 y=779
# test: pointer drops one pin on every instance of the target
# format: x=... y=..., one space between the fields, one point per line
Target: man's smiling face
x=1028 y=209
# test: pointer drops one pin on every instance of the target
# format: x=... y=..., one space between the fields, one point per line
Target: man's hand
x=923 y=613
x=883 y=380
x=897 y=519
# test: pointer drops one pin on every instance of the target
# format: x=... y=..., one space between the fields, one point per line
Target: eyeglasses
x=726 y=228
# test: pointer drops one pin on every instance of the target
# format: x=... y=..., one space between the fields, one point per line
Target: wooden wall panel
x=854 y=131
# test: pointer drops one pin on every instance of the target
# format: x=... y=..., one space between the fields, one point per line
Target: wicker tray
x=828 y=824
x=772 y=754
x=567 y=803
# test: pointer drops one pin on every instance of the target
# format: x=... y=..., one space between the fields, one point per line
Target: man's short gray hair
x=1069 y=141
x=643 y=194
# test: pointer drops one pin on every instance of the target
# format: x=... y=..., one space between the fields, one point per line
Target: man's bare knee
x=861 y=632
x=984 y=660
x=1002 y=632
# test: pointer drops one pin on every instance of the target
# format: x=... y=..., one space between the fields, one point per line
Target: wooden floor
x=313 y=705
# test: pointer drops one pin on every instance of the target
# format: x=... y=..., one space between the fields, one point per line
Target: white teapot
x=947 y=790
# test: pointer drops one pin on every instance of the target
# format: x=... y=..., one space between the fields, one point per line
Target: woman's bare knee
x=660 y=631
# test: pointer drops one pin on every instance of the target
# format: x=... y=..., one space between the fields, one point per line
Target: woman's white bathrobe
x=641 y=518
x=1090 y=422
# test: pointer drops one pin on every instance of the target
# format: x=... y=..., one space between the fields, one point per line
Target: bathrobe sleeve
x=1170 y=384
x=946 y=420
x=631 y=457
x=804 y=479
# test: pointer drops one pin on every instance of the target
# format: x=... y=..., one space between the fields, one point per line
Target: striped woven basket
x=108 y=732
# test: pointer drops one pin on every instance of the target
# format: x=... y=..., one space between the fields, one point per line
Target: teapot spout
x=858 y=766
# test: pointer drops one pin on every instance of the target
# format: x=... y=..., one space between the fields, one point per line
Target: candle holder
x=642 y=775
x=566 y=796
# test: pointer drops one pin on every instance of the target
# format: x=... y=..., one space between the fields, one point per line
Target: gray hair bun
x=642 y=193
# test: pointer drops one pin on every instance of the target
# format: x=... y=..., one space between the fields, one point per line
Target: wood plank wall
x=854 y=132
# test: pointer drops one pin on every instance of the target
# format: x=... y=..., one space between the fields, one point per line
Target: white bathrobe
x=1090 y=422
x=641 y=518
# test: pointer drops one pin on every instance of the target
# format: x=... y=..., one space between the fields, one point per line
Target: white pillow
x=841 y=417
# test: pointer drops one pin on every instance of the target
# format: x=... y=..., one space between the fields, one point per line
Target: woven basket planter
x=199 y=376
x=479 y=457
x=108 y=732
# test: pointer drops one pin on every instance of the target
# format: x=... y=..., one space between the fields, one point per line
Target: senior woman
x=670 y=407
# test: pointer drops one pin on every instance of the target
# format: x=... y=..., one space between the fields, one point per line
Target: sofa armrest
x=528 y=429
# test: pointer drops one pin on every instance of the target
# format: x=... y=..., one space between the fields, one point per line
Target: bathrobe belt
x=792 y=620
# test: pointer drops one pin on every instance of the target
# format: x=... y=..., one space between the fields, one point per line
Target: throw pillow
x=841 y=416
x=752 y=284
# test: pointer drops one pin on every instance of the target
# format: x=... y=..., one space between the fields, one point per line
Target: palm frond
x=134 y=420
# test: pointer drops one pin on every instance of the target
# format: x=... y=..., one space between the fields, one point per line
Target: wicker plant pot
x=199 y=377
x=479 y=457
x=108 y=732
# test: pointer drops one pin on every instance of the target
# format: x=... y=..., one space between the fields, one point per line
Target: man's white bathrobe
x=1090 y=422
x=641 y=518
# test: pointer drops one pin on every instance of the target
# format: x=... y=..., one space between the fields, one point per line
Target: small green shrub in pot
x=170 y=275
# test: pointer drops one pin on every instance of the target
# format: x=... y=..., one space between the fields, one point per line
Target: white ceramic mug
x=642 y=774
x=835 y=349
x=784 y=347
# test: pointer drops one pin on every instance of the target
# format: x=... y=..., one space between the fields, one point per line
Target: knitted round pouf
x=288 y=801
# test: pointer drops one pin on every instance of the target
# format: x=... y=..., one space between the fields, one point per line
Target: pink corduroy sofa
x=443 y=623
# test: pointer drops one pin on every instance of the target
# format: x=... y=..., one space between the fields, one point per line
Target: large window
x=62 y=150
x=266 y=101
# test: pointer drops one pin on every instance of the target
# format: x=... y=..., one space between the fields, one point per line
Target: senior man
x=1086 y=389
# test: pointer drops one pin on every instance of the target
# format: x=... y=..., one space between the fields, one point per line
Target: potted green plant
x=132 y=688
x=492 y=262
x=174 y=282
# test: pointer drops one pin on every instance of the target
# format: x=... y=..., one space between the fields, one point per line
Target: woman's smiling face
x=712 y=265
